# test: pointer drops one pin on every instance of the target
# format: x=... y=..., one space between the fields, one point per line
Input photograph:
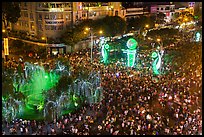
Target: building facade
x=49 y=19
x=167 y=9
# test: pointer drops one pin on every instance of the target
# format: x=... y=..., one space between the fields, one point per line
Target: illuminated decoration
x=156 y=63
x=37 y=81
x=197 y=36
x=6 y=49
x=105 y=51
x=131 y=52
x=38 y=89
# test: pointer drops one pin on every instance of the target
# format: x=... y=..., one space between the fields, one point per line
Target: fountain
x=40 y=98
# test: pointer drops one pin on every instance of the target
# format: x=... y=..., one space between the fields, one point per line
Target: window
x=52 y=5
x=68 y=17
x=40 y=27
x=26 y=14
x=31 y=15
x=25 y=4
x=157 y=8
x=167 y=8
x=53 y=27
x=161 y=8
x=47 y=27
x=39 y=5
x=67 y=5
x=60 y=27
x=53 y=16
x=116 y=13
x=59 y=5
x=60 y=16
x=40 y=16
x=26 y=24
x=46 y=16
x=84 y=15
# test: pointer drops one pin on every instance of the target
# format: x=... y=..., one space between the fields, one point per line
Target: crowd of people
x=133 y=104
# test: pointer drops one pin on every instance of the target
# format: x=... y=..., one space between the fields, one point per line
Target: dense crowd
x=133 y=104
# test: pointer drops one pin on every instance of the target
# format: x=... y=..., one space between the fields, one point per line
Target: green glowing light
x=132 y=44
x=107 y=46
x=197 y=36
x=75 y=104
x=156 y=63
x=104 y=51
x=38 y=82
x=131 y=51
x=154 y=55
x=131 y=57
x=40 y=107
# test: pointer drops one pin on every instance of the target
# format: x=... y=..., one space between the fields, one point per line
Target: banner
x=6 y=49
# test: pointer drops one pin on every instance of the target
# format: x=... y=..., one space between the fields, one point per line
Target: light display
x=41 y=99
x=105 y=51
x=197 y=36
x=156 y=63
x=131 y=52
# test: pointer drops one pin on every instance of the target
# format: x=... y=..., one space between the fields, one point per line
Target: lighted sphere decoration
x=107 y=46
x=132 y=44
x=154 y=55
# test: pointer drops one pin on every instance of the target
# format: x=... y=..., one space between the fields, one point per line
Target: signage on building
x=6 y=49
x=56 y=9
x=56 y=45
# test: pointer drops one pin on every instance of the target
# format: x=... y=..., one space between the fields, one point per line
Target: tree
x=198 y=11
x=184 y=17
x=72 y=36
x=140 y=22
x=162 y=33
x=110 y=22
x=10 y=12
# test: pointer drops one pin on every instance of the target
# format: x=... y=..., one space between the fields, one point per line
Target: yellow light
x=158 y=40
x=147 y=25
x=3 y=30
x=148 y=38
x=100 y=31
x=43 y=38
x=85 y=32
x=87 y=29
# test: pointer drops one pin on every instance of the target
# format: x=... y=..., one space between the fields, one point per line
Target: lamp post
x=45 y=38
x=6 y=48
x=91 y=32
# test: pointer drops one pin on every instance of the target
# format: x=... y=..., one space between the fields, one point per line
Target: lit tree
x=184 y=17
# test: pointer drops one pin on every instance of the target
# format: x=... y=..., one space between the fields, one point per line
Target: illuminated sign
x=6 y=49
x=56 y=9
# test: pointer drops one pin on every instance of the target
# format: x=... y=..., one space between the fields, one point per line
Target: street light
x=3 y=30
x=45 y=38
x=91 y=32
x=147 y=26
